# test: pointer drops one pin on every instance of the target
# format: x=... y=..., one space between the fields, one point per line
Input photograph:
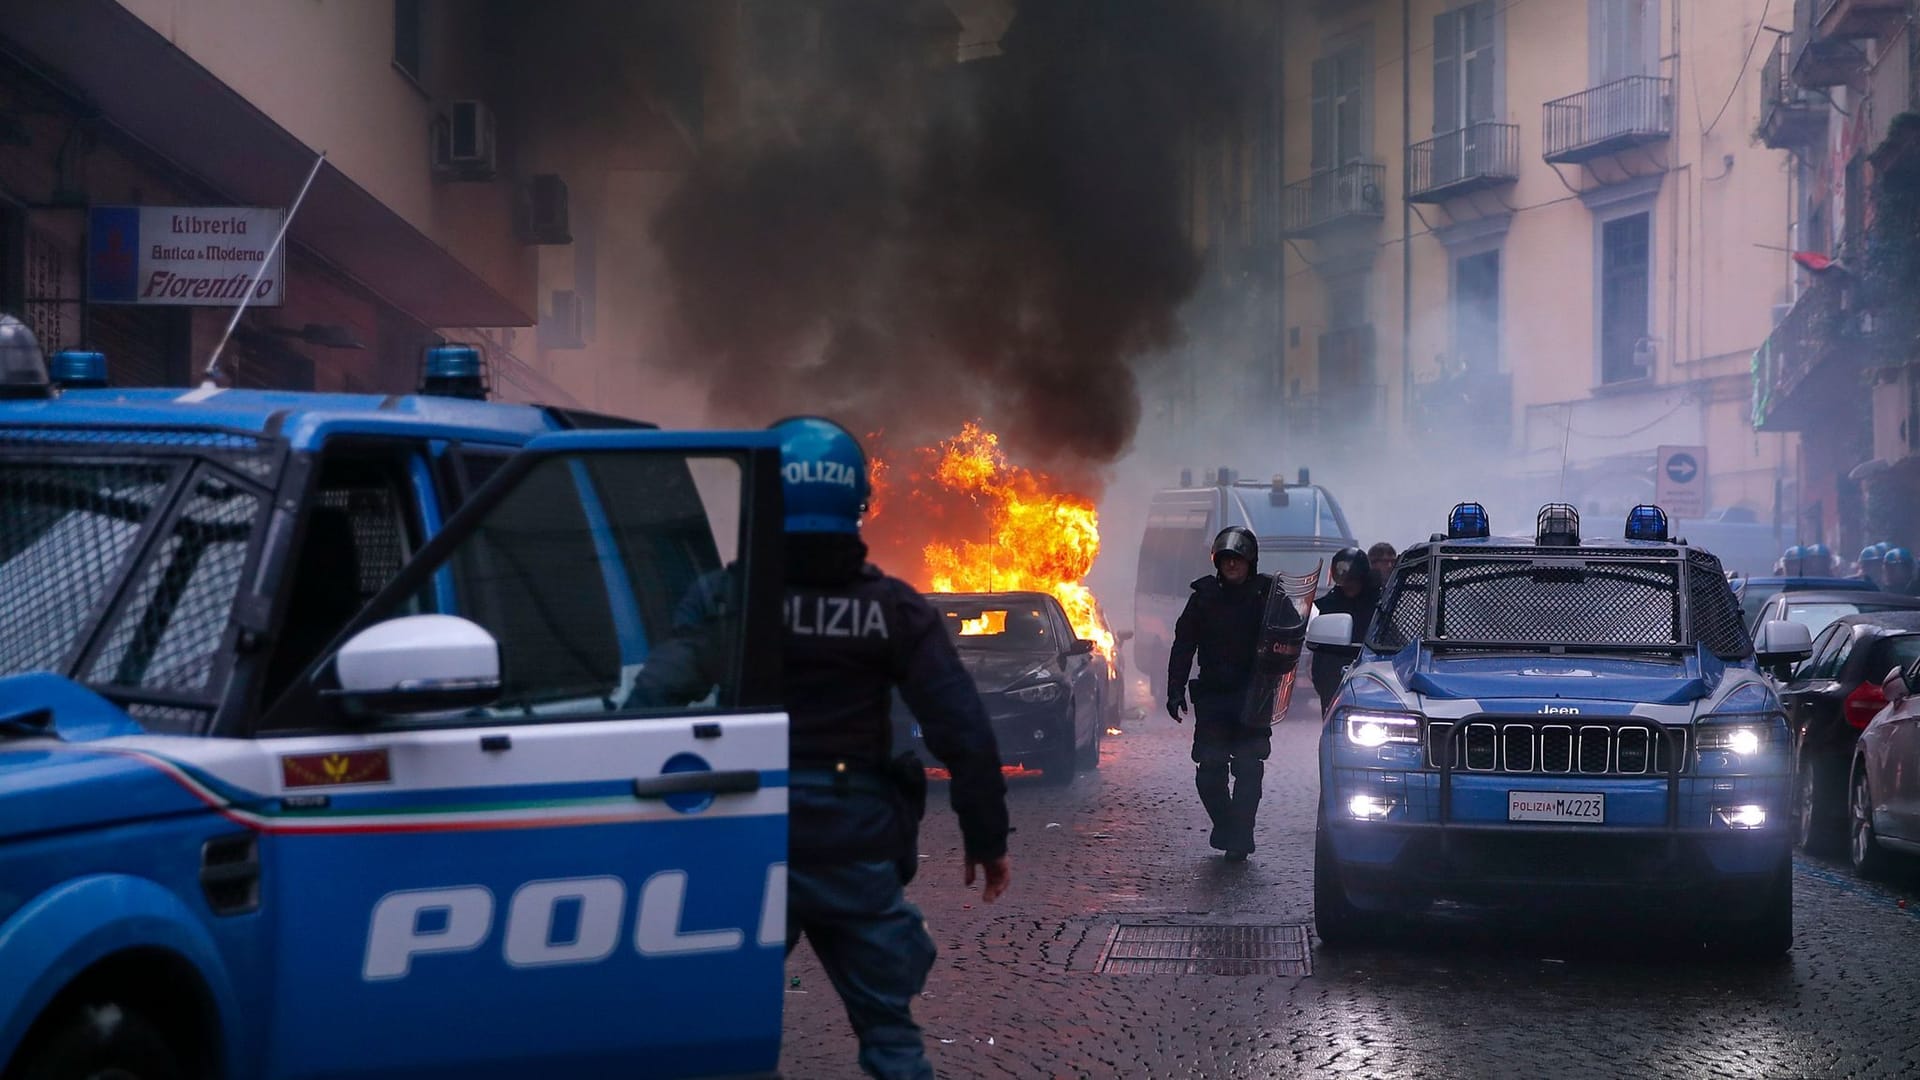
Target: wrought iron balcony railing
x=1461 y=162
x=1342 y=195
x=1790 y=117
x=1821 y=58
x=1609 y=118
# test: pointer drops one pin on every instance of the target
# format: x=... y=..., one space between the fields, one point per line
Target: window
x=1341 y=109
x=407 y=37
x=998 y=627
x=1625 y=293
x=1623 y=36
x=1329 y=525
x=1347 y=302
x=1476 y=313
x=1464 y=56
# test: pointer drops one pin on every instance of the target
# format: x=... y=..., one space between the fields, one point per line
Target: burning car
x=1547 y=720
x=1045 y=688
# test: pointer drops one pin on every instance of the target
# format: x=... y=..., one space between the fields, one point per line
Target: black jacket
x=1328 y=666
x=1220 y=624
x=852 y=635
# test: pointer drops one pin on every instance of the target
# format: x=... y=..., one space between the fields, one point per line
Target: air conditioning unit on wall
x=464 y=143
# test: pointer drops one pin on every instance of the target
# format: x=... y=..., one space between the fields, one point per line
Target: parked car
x=1883 y=800
x=1754 y=593
x=1300 y=526
x=1045 y=689
x=1830 y=699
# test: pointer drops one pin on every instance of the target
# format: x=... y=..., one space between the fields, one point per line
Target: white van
x=1299 y=525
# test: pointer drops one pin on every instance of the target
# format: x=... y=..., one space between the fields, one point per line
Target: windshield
x=1013 y=627
x=1818 y=616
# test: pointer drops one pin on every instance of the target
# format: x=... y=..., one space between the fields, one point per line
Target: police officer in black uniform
x=853 y=635
x=1222 y=626
x=1357 y=593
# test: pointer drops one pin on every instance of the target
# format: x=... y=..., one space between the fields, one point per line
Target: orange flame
x=1037 y=540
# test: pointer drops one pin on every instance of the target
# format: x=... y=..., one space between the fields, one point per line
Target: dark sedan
x=1831 y=698
x=1045 y=689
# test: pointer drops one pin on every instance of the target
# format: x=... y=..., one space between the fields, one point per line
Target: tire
x=1339 y=924
x=102 y=1040
x=1061 y=760
x=1088 y=757
x=1767 y=935
x=1817 y=825
x=1869 y=859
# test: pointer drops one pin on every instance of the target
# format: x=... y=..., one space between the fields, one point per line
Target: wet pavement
x=1018 y=989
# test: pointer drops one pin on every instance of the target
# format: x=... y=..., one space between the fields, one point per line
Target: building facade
x=1529 y=245
x=1839 y=96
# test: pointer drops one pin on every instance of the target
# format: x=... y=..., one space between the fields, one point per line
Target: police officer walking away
x=1356 y=593
x=1222 y=624
x=853 y=635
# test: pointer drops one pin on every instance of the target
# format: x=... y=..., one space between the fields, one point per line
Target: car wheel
x=1816 y=825
x=1863 y=848
x=1768 y=934
x=1059 y=759
x=102 y=1040
x=1339 y=924
x=1088 y=757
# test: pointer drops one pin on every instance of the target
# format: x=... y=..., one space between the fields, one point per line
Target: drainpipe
x=1406 y=219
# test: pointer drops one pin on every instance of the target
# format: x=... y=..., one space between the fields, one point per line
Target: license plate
x=1576 y=807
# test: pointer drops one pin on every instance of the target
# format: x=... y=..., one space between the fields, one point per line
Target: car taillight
x=1860 y=707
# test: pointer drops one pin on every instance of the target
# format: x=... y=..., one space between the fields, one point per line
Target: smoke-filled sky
x=904 y=242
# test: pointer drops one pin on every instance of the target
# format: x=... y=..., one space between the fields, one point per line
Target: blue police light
x=1647 y=522
x=454 y=371
x=79 y=369
x=1468 y=520
x=1557 y=526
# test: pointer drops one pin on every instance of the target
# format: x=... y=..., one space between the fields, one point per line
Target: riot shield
x=1283 y=631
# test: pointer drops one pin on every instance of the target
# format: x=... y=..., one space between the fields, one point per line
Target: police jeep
x=321 y=745
x=1548 y=720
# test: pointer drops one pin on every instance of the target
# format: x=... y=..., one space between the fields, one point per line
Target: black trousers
x=1222 y=748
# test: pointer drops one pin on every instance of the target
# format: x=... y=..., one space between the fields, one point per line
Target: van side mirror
x=1123 y=637
x=1782 y=642
x=1332 y=632
x=417 y=664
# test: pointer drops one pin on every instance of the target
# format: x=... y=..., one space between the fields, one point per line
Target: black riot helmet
x=1350 y=564
x=1234 y=540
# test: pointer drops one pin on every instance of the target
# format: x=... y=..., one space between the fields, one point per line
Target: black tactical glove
x=1176 y=703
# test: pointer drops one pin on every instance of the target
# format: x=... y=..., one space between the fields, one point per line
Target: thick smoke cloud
x=905 y=243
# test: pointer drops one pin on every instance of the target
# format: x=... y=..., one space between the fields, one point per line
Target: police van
x=1299 y=524
x=1558 y=721
x=325 y=745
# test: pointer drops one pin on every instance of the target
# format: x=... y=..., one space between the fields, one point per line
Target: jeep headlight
x=1036 y=695
x=1744 y=724
x=1376 y=729
x=1741 y=738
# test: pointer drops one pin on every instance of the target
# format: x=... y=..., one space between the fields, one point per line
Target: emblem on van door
x=339 y=768
x=1559 y=710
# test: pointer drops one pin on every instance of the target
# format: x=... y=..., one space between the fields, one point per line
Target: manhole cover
x=1159 y=949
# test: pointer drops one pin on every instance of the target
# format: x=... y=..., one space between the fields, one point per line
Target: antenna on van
x=208 y=378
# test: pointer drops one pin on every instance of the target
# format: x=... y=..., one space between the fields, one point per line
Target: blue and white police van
x=1555 y=721
x=322 y=751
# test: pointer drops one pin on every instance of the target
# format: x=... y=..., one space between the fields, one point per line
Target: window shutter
x=1446 y=72
x=1323 y=81
x=1351 y=74
x=1478 y=24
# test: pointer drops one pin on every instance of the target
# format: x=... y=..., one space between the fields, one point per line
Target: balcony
x=1790 y=118
x=1609 y=118
x=1349 y=194
x=1858 y=18
x=1814 y=339
x=1477 y=157
x=1821 y=59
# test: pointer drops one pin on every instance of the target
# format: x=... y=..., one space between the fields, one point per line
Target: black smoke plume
x=904 y=242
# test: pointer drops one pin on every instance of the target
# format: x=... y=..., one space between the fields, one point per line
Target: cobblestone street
x=1016 y=991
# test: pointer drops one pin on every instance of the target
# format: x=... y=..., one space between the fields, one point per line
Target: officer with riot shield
x=1356 y=593
x=1225 y=624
